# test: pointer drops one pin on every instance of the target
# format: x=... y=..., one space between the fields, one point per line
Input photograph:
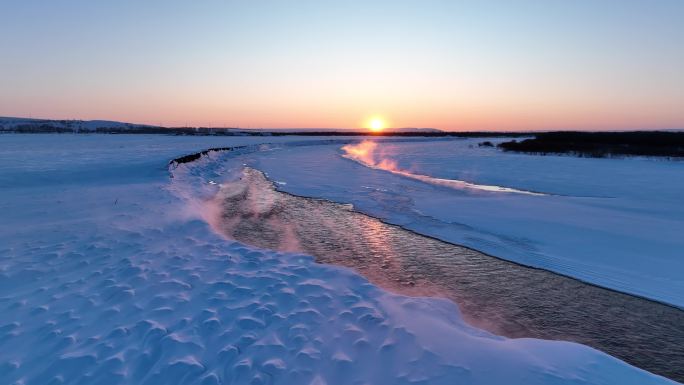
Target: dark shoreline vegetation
x=193 y=157
x=601 y=144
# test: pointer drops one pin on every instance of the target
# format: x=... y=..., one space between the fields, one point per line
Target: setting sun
x=376 y=124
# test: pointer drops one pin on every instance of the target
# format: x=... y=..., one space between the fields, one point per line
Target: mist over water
x=370 y=154
x=493 y=294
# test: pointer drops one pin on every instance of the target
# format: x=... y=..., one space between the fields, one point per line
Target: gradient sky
x=455 y=65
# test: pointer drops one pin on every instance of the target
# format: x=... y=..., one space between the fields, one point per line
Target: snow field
x=110 y=274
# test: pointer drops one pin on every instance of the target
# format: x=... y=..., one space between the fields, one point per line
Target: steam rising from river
x=369 y=154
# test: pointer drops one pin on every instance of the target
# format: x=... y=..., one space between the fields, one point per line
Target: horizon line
x=385 y=130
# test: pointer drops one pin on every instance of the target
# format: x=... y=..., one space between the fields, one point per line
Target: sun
x=376 y=124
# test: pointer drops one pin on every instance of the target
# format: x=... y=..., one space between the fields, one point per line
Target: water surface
x=496 y=295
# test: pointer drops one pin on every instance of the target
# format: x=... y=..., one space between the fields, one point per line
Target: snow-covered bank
x=617 y=223
x=109 y=275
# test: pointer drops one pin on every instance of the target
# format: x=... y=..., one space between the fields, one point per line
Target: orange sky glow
x=447 y=65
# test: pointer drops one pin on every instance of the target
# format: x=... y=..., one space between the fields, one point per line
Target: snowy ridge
x=120 y=280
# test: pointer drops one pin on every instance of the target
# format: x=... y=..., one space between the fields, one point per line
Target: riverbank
x=492 y=294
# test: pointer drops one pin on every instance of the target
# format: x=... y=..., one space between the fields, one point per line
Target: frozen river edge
x=110 y=275
x=502 y=297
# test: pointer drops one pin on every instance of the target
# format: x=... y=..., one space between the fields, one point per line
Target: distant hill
x=53 y=125
x=29 y=125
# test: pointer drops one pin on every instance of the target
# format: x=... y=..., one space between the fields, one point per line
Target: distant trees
x=602 y=144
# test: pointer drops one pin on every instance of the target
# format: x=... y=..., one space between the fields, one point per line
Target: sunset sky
x=453 y=65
